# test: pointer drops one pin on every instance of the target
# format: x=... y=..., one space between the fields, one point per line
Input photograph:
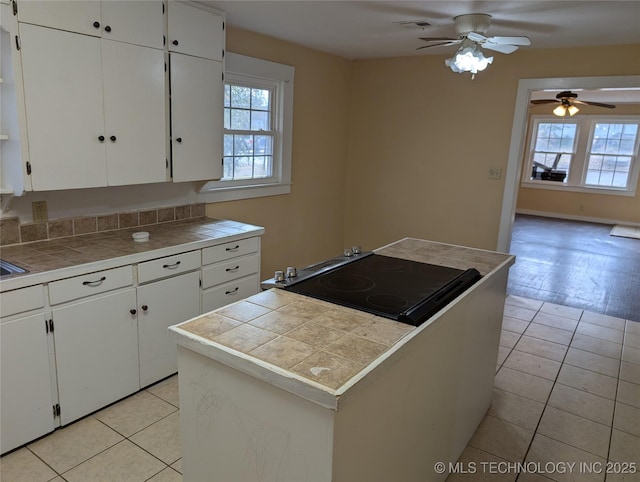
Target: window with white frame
x=249 y=132
x=258 y=123
x=585 y=153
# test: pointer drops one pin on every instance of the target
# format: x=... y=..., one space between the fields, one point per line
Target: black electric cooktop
x=399 y=289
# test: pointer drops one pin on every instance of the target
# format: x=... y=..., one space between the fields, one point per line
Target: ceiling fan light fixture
x=468 y=59
x=562 y=110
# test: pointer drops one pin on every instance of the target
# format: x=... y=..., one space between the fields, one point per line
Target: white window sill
x=558 y=186
x=233 y=193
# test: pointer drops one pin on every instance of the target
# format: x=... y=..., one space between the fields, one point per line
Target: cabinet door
x=63 y=99
x=71 y=15
x=196 y=118
x=194 y=31
x=136 y=22
x=156 y=312
x=96 y=344
x=26 y=402
x=134 y=104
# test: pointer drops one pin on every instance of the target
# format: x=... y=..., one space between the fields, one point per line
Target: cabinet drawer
x=90 y=284
x=231 y=292
x=169 y=266
x=19 y=301
x=229 y=270
x=225 y=251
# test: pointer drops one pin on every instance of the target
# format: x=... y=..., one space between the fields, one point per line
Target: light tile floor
x=567 y=390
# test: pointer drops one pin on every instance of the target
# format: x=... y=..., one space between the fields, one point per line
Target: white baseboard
x=572 y=217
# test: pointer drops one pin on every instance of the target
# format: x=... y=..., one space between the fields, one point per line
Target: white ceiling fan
x=473 y=27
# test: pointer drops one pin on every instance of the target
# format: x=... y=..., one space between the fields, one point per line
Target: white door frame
x=518 y=132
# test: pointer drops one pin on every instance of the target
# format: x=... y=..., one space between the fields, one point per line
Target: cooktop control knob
x=291 y=272
x=279 y=276
x=356 y=249
x=348 y=253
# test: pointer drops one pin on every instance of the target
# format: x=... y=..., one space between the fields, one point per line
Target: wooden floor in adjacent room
x=575 y=263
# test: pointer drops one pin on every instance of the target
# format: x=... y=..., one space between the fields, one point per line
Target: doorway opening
x=570 y=262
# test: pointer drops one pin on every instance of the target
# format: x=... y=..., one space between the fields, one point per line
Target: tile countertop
x=63 y=257
x=311 y=347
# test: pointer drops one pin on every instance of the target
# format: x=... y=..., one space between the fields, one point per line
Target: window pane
x=259 y=121
x=243 y=168
x=240 y=120
x=240 y=96
x=262 y=145
x=260 y=99
x=553 y=151
x=227 y=168
x=263 y=166
x=228 y=145
x=617 y=142
x=242 y=145
x=227 y=95
x=227 y=118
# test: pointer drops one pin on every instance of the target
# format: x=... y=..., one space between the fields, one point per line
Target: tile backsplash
x=12 y=232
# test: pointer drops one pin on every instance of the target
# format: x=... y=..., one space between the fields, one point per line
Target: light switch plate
x=495 y=173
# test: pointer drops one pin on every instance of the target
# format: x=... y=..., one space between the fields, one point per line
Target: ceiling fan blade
x=509 y=40
x=544 y=101
x=438 y=39
x=476 y=37
x=442 y=44
x=502 y=48
x=596 y=104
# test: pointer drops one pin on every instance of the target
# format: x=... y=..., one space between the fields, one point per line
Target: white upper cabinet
x=196 y=118
x=116 y=92
x=134 y=106
x=194 y=31
x=64 y=105
x=97 y=117
x=74 y=16
x=136 y=22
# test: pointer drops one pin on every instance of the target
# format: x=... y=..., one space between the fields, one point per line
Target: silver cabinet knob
x=291 y=272
x=279 y=276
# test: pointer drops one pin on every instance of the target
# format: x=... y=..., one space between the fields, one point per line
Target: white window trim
x=583 y=141
x=283 y=75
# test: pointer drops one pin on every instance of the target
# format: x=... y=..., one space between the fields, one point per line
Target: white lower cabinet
x=230 y=272
x=230 y=292
x=96 y=345
x=160 y=305
x=73 y=346
x=26 y=400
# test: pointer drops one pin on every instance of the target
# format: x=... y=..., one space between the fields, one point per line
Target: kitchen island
x=285 y=387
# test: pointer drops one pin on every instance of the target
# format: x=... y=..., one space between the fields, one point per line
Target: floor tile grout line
x=535 y=432
x=41 y=459
x=613 y=415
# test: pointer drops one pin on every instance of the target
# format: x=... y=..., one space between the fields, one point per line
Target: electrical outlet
x=495 y=173
x=40 y=214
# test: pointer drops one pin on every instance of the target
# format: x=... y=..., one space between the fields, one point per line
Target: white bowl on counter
x=140 y=236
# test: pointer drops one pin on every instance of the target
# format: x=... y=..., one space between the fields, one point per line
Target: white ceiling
x=373 y=29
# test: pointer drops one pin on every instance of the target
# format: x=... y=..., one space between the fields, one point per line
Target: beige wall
x=580 y=204
x=423 y=139
x=388 y=148
x=306 y=225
